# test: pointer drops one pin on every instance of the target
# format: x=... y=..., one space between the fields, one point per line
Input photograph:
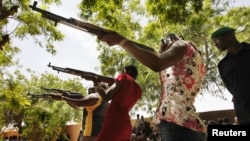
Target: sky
x=78 y=50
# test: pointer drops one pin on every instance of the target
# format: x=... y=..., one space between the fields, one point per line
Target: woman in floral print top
x=182 y=73
x=181 y=83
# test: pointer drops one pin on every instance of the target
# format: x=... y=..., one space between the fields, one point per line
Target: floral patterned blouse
x=181 y=84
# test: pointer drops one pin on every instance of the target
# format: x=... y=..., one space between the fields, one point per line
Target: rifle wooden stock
x=83 y=26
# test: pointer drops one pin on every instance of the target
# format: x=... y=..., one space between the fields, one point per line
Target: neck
x=235 y=48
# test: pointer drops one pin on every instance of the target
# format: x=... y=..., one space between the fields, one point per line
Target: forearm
x=75 y=96
x=146 y=57
x=70 y=101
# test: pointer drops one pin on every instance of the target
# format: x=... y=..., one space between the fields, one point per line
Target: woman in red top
x=124 y=93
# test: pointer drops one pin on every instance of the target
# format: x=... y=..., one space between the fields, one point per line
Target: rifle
x=83 y=26
x=65 y=93
x=52 y=96
x=83 y=74
x=40 y=95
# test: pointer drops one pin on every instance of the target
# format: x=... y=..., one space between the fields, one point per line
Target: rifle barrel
x=40 y=95
x=83 y=26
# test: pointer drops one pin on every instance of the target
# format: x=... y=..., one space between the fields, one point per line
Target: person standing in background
x=234 y=70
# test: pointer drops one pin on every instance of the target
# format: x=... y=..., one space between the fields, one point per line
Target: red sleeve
x=120 y=77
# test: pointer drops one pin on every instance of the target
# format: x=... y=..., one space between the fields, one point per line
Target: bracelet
x=122 y=42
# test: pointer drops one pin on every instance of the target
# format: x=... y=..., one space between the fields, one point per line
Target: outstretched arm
x=88 y=100
x=155 y=61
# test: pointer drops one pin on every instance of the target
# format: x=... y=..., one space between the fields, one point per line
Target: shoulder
x=246 y=45
x=180 y=43
x=178 y=48
x=122 y=76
